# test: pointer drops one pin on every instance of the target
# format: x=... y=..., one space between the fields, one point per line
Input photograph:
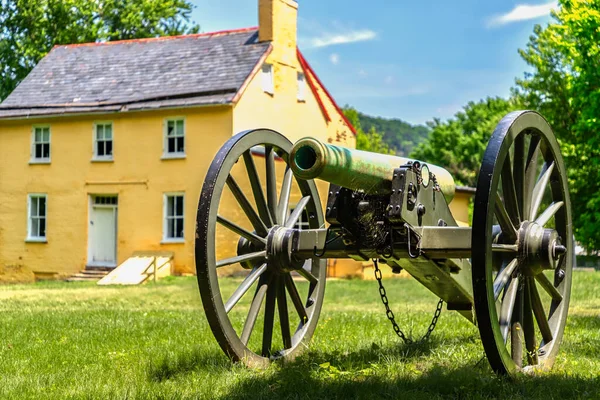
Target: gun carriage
x=510 y=273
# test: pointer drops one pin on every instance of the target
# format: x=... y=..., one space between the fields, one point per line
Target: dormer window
x=267 y=78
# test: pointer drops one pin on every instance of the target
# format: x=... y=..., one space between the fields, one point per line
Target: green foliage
x=391 y=136
x=458 y=144
x=564 y=86
x=370 y=140
x=29 y=29
x=401 y=136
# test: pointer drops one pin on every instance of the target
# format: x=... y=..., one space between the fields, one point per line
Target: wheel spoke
x=505 y=248
x=257 y=223
x=269 y=318
x=504 y=220
x=538 y=191
x=503 y=276
x=308 y=276
x=284 y=319
x=516 y=329
x=509 y=192
x=519 y=169
x=530 y=175
x=259 y=295
x=241 y=231
x=295 y=216
x=508 y=306
x=271 y=181
x=244 y=257
x=548 y=287
x=548 y=213
x=244 y=287
x=540 y=314
x=284 y=197
x=259 y=196
x=529 y=327
x=296 y=300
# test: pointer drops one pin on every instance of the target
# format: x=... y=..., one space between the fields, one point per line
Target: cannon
x=509 y=273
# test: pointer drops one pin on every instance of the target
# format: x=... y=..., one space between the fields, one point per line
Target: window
x=40 y=151
x=267 y=78
x=36 y=230
x=103 y=141
x=175 y=137
x=301 y=86
x=302 y=222
x=173 y=224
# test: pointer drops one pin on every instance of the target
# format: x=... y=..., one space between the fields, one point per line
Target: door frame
x=91 y=206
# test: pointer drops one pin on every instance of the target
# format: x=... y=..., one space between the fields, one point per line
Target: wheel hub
x=279 y=250
x=539 y=248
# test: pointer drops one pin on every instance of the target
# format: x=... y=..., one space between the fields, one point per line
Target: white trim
x=96 y=157
x=37 y=239
x=267 y=78
x=176 y=154
x=166 y=239
x=41 y=160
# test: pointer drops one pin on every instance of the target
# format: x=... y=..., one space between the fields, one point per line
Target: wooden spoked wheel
x=522 y=246
x=272 y=313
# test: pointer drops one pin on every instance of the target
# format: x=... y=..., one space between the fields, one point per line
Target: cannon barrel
x=355 y=169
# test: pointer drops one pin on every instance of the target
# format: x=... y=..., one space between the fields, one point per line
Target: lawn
x=60 y=340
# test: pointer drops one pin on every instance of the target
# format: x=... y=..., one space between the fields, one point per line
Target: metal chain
x=390 y=314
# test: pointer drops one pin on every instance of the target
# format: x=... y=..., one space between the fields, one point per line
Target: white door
x=103 y=232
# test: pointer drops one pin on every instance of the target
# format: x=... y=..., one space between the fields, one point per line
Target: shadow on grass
x=172 y=365
x=299 y=382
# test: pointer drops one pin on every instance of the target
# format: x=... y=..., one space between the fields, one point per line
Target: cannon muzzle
x=355 y=169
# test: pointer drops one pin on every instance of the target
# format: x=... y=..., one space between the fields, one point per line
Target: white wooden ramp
x=139 y=268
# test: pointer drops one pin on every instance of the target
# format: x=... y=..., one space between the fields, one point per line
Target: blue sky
x=413 y=60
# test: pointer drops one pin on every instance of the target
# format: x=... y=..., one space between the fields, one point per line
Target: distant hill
x=398 y=134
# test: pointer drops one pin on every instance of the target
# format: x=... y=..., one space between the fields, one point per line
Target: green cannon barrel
x=355 y=169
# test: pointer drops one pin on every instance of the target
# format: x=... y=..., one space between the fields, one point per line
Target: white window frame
x=301 y=80
x=30 y=237
x=33 y=158
x=268 y=84
x=95 y=156
x=167 y=218
x=175 y=154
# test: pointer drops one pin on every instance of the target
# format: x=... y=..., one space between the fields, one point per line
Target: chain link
x=390 y=314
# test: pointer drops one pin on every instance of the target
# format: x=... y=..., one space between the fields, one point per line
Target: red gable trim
x=162 y=38
x=313 y=87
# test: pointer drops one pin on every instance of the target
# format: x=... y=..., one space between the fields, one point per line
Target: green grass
x=61 y=340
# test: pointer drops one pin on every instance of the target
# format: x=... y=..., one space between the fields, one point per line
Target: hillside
x=398 y=134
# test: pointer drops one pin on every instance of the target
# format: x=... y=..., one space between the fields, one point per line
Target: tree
x=458 y=144
x=369 y=141
x=29 y=29
x=564 y=86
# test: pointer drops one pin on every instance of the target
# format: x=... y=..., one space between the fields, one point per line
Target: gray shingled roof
x=135 y=75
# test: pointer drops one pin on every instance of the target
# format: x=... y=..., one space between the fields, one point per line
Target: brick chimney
x=277 y=23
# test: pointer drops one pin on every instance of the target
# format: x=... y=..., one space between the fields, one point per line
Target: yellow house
x=104 y=146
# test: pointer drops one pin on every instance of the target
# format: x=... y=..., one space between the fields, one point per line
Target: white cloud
x=522 y=12
x=331 y=39
x=334 y=58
